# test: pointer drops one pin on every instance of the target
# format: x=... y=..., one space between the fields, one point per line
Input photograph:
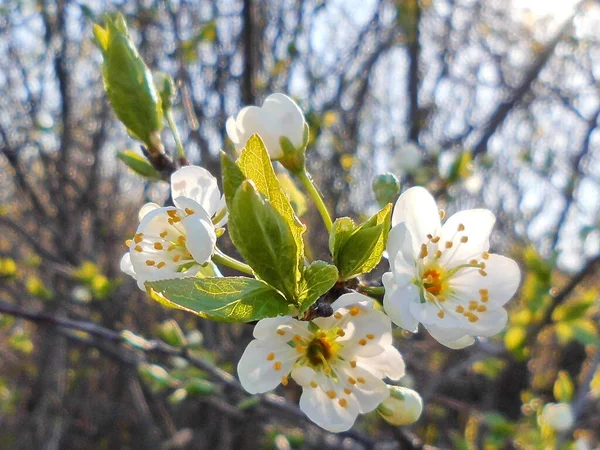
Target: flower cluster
x=441 y=276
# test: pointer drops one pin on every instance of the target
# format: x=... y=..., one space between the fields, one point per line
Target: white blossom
x=558 y=416
x=278 y=117
x=172 y=242
x=443 y=276
x=339 y=361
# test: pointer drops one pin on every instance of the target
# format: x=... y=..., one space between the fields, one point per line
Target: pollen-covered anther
x=331 y=394
x=354 y=311
x=436 y=239
x=313 y=384
x=271 y=356
x=441 y=314
x=163 y=234
x=342 y=402
x=481 y=308
x=362 y=342
x=161 y=264
x=284 y=380
x=138 y=248
x=473 y=305
x=347 y=391
x=370 y=336
x=482 y=265
x=361 y=380
x=460 y=309
x=150 y=262
x=297 y=337
x=448 y=244
x=158 y=246
x=176 y=258
x=485 y=255
x=171 y=248
x=473 y=318
x=438 y=254
x=128 y=242
x=423 y=252
x=483 y=273
x=351 y=380
x=189 y=211
x=181 y=240
x=280 y=332
x=442 y=214
x=461 y=227
x=464 y=239
x=473 y=262
x=340 y=333
x=277 y=365
x=300 y=349
x=353 y=364
x=430 y=236
x=139 y=237
x=338 y=315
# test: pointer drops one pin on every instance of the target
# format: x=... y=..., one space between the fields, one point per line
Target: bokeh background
x=486 y=103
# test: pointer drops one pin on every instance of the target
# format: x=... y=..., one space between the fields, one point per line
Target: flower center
x=322 y=350
x=432 y=281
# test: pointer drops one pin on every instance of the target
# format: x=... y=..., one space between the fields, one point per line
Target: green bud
x=178 y=396
x=166 y=90
x=170 y=332
x=403 y=407
x=156 y=377
x=128 y=82
x=386 y=187
x=293 y=158
x=139 y=164
x=198 y=386
x=135 y=341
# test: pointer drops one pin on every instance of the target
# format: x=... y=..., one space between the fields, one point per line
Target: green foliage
x=461 y=169
x=318 y=278
x=265 y=240
x=139 y=165
x=128 y=81
x=233 y=299
x=358 y=250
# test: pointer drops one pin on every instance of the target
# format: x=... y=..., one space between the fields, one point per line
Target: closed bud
x=386 y=187
x=166 y=90
x=170 y=332
x=403 y=406
x=128 y=82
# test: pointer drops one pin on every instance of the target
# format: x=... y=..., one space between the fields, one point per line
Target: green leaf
x=256 y=165
x=232 y=178
x=264 y=239
x=128 y=81
x=318 y=278
x=340 y=232
x=361 y=251
x=235 y=299
x=139 y=164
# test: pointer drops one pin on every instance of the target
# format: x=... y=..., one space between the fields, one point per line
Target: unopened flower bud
x=386 y=187
x=403 y=406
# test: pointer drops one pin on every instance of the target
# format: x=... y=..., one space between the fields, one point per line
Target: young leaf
x=359 y=251
x=264 y=239
x=232 y=177
x=235 y=299
x=318 y=278
x=256 y=165
x=138 y=164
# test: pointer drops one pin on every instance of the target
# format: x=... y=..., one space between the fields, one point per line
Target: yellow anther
x=277 y=365
x=483 y=273
x=361 y=380
x=481 y=308
x=438 y=254
x=430 y=236
x=448 y=244
x=440 y=314
x=474 y=262
x=340 y=333
x=472 y=305
x=473 y=318
x=370 y=336
x=150 y=262
x=362 y=342
x=271 y=356
x=435 y=240
x=300 y=349
x=181 y=240
x=483 y=292
x=442 y=214
x=482 y=265
x=331 y=394
x=128 y=242
x=347 y=391
x=176 y=258
x=484 y=299
x=138 y=248
x=460 y=309
x=138 y=238
x=161 y=264
x=461 y=227
x=158 y=246
x=353 y=364
x=351 y=380
x=171 y=248
x=297 y=337
x=423 y=252
x=354 y=310
x=284 y=381
x=313 y=384
x=189 y=211
x=280 y=332
x=464 y=239
x=163 y=234
x=485 y=255
x=343 y=403
x=172 y=213
x=337 y=315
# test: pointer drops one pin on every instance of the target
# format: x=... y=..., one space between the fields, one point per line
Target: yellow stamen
x=189 y=211
x=448 y=244
x=460 y=309
x=353 y=364
x=351 y=380
x=440 y=314
x=150 y=262
x=280 y=332
x=362 y=342
x=423 y=252
x=331 y=394
x=361 y=380
x=354 y=311
x=163 y=234
x=340 y=333
x=347 y=391
x=158 y=246
x=277 y=365
x=483 y=273
x=482 y=308
x=313 y=384
x=370 y=336
x=138 y=248
x=485 y=255
x=284 y=381
x=138 y=238
x=271 y=356
x=337 y=315
x=435 y=240
x=161 y=264
x=128 y=242
x=464 y=239
x=176 y=258
x=343 y=403
x=461 y=227
x=442 y=214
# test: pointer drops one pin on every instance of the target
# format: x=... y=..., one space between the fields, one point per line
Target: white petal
x=490 y=323
x=478 y=225
x=146 y=209
x=351 y=299
x=303 y=375
x=257 y=372
x=326 y=412
x=289 y=116
x=370 y=392
x=397 y=301
x=417 y=208
x=253 y=120
x=201 y=237
x=374 y=325
x=450 y=337
x=197 y=184
x=126 y=265
x=388 y=364
x=502 y=281
x=399 y=246
x=231 y=128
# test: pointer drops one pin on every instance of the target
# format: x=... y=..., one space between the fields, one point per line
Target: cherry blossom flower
x=172 y=242
x=558 y=416
x=339 y=361
x=278 y=117
x=443 y=276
